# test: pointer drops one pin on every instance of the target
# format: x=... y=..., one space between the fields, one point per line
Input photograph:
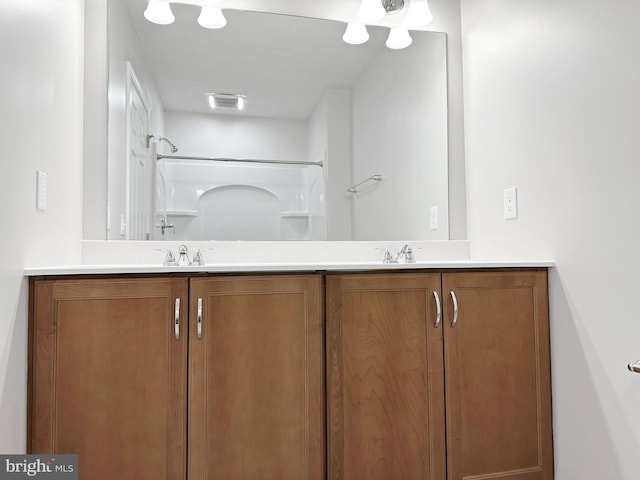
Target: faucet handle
x=387 y=257
x=169 y=258
x=197 y=259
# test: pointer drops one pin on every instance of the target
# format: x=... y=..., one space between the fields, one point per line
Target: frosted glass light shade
x=355 y=34
x=159 y=12
x=371 y=11
x=211 y=17
x=419 y=14
x=398 y=38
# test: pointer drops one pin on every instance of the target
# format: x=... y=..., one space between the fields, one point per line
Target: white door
x=140 y=163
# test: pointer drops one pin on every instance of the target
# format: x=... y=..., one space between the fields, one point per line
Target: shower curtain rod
x=243 y=160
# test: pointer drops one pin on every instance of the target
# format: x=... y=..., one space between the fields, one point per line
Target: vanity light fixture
x=356 y=33
x=373 y=10
x=227 y=100
x=398 y=38
x=370 y=11
x=419 y=14
x=159 y=12
x=211 y=17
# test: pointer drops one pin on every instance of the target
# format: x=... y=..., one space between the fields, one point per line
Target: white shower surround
x=204 y=198
x=189 y=184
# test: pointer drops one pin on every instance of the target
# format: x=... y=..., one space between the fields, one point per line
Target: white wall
x=446 y=19
x=96 y=81
x=410 y=151
x=41 y=89
x=551 y=102
x=237 y=136
x=123 y=47
x=329 y=140
x=317 y=150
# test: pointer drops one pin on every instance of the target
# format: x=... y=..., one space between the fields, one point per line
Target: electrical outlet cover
x=433 y=218
x=41 y=190
x=123 y=225
x=510 y=203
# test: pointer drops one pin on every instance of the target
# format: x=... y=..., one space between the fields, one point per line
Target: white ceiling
x=281 y=63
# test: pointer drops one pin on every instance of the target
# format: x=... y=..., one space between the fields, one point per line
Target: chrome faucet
x=163 y=225
x=405 y=255
x=183 y=256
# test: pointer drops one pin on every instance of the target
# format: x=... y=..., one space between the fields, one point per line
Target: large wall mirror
x=320 y=117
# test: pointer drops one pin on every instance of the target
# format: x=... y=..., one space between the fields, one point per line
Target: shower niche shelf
x=179 y=213
x=294 y=214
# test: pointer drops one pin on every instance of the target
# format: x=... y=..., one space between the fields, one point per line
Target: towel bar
x=372 y=178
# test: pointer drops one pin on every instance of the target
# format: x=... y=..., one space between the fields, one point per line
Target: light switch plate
x=123 y=225
x=510 y=203
x=41 y=190
x=433 y=218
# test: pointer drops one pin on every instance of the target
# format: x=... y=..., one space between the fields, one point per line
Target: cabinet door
x=256 y=379
x=385 y=377
x=108 y=376
x=498 y=376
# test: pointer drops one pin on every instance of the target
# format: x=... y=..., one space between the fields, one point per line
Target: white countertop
x=277 y=267
x=130 y=257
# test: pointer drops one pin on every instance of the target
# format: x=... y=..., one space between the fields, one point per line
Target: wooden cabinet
x=498 y=376
x=233 y=377
x=385 y=370
x=256 y=379
x=108 y=377
x=392 y=361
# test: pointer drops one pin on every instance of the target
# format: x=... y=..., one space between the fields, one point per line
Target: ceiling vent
x=226 y=100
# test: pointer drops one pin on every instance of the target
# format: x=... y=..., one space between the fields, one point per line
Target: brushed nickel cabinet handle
x=634 y=367
x=438 y=310
x=176 y=324
x=199 y=318
x=455 y=309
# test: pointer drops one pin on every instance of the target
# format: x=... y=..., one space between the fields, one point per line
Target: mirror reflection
x=337 y=141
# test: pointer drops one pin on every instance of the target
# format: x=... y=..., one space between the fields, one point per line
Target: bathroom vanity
x=410 y=372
